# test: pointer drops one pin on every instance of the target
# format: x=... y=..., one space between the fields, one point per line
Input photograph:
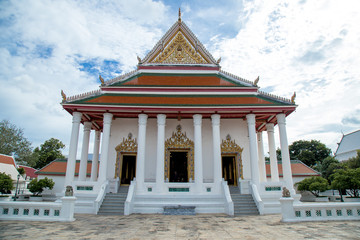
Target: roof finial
x=63 y=96
x=293 y=98
x=256 y=81
x=101 y=80
x=179 y=15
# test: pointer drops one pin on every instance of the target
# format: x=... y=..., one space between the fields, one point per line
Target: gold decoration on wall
x=128 y=145
x=179 y=51
x=229 y=147
x=179 y=142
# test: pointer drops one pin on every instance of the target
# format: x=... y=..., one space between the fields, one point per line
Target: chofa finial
x=139 y=59
x=179 y=15
x=256 y=81
x=293 y=98
x=218 y=61
x=63 y=96
x=101 y=80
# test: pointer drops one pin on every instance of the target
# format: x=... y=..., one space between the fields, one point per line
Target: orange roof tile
x=7 y=159
x=58 y=167
x=298 y=169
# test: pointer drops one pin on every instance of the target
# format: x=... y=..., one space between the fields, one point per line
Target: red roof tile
x=29 y=171
x=298 y=168
x=7 y=159
x=58 y=167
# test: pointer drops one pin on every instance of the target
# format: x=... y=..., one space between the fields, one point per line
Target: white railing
x=39 y=211
x=229 y=205
x=256 y=196
x=318 y=211
x=129 y=203
x=100 y=197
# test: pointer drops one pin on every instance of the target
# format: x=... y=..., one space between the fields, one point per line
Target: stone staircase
x=243 y=203
x=114 y=203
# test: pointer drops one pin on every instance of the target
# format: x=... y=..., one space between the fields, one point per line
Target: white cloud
x=311 y=48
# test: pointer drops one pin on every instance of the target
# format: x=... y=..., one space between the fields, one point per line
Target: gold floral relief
x=180 y=51
x=229 y=146
x=179 y=142
x=128 y=145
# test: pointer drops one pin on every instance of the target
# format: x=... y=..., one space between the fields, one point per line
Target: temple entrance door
x=128 y=169
x=179 y=166
x=229 y=170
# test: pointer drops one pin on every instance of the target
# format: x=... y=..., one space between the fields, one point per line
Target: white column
x=84 y=151
x=272 y=151
x=140 y=161
x=253 y=149
x=198 y=152
x=70 y=167
x=161 y=119
x=105 y=147
x=216 y=147
x=286 y=166
x=262 y=167
x=95 y=160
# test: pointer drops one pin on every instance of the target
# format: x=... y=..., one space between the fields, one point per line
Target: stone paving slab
x=201 y=226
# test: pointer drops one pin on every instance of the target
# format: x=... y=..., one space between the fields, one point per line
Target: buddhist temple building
x=178 y=130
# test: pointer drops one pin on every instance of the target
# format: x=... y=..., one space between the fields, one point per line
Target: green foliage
x=13 y=141
x=48 y=152
x=347 y=179
x=353 y=162
x=21 y=170
x=327 y=167
x=6 y=184
x=309 y=152
x=315 y=185
x=37 y=187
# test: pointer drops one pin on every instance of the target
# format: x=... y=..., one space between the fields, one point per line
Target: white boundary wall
x=39 y=211
x=318 y=211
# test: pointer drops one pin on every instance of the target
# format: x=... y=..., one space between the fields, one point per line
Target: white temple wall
x=237 y=128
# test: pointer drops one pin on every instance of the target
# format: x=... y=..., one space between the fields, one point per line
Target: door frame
x=234 y=170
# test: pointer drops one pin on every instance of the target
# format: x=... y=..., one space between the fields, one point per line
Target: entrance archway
x=231 y=161
x=125 y=166
x=179 y=157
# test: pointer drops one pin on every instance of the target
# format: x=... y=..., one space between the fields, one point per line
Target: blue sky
x=311 y=47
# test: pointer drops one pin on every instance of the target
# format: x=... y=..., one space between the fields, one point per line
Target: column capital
x=215 y=119
x=161 y=119
x=107 y=118
x=87 y=126
x=270 y=127
x=77 y=117
x=250 y=118
x=143 y=119
x=281 y=118
x=197 y=119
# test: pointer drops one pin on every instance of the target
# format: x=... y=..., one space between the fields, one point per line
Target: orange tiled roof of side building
x=298 y=169
x=58 y=167
x=7 y=159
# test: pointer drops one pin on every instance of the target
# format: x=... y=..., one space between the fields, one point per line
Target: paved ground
x=178 y=227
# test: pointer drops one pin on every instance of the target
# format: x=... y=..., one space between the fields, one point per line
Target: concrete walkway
x=178 y=227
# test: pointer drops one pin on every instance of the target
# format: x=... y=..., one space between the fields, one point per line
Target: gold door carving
x=128 y=146
x=179 y=142
x=229 y=147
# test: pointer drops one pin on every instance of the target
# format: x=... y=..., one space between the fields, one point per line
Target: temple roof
x=179 y=78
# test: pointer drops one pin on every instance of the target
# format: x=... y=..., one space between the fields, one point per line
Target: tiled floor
x=179 y=227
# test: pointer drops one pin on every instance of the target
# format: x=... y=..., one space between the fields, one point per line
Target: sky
x=310 y=47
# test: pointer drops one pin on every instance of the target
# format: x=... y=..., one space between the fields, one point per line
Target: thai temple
x=177 y=131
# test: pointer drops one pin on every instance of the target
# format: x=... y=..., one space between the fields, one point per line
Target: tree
x=315 y=185
x=37 y=187
x=21 y=170
x=347 y=179
x=48 y=152
x=328 y=166
x=13 y=141
x=309 y=152
x=6 y=184
x=353 y=162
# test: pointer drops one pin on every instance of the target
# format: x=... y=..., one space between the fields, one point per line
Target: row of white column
x=258 y=170
x=71 y=163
